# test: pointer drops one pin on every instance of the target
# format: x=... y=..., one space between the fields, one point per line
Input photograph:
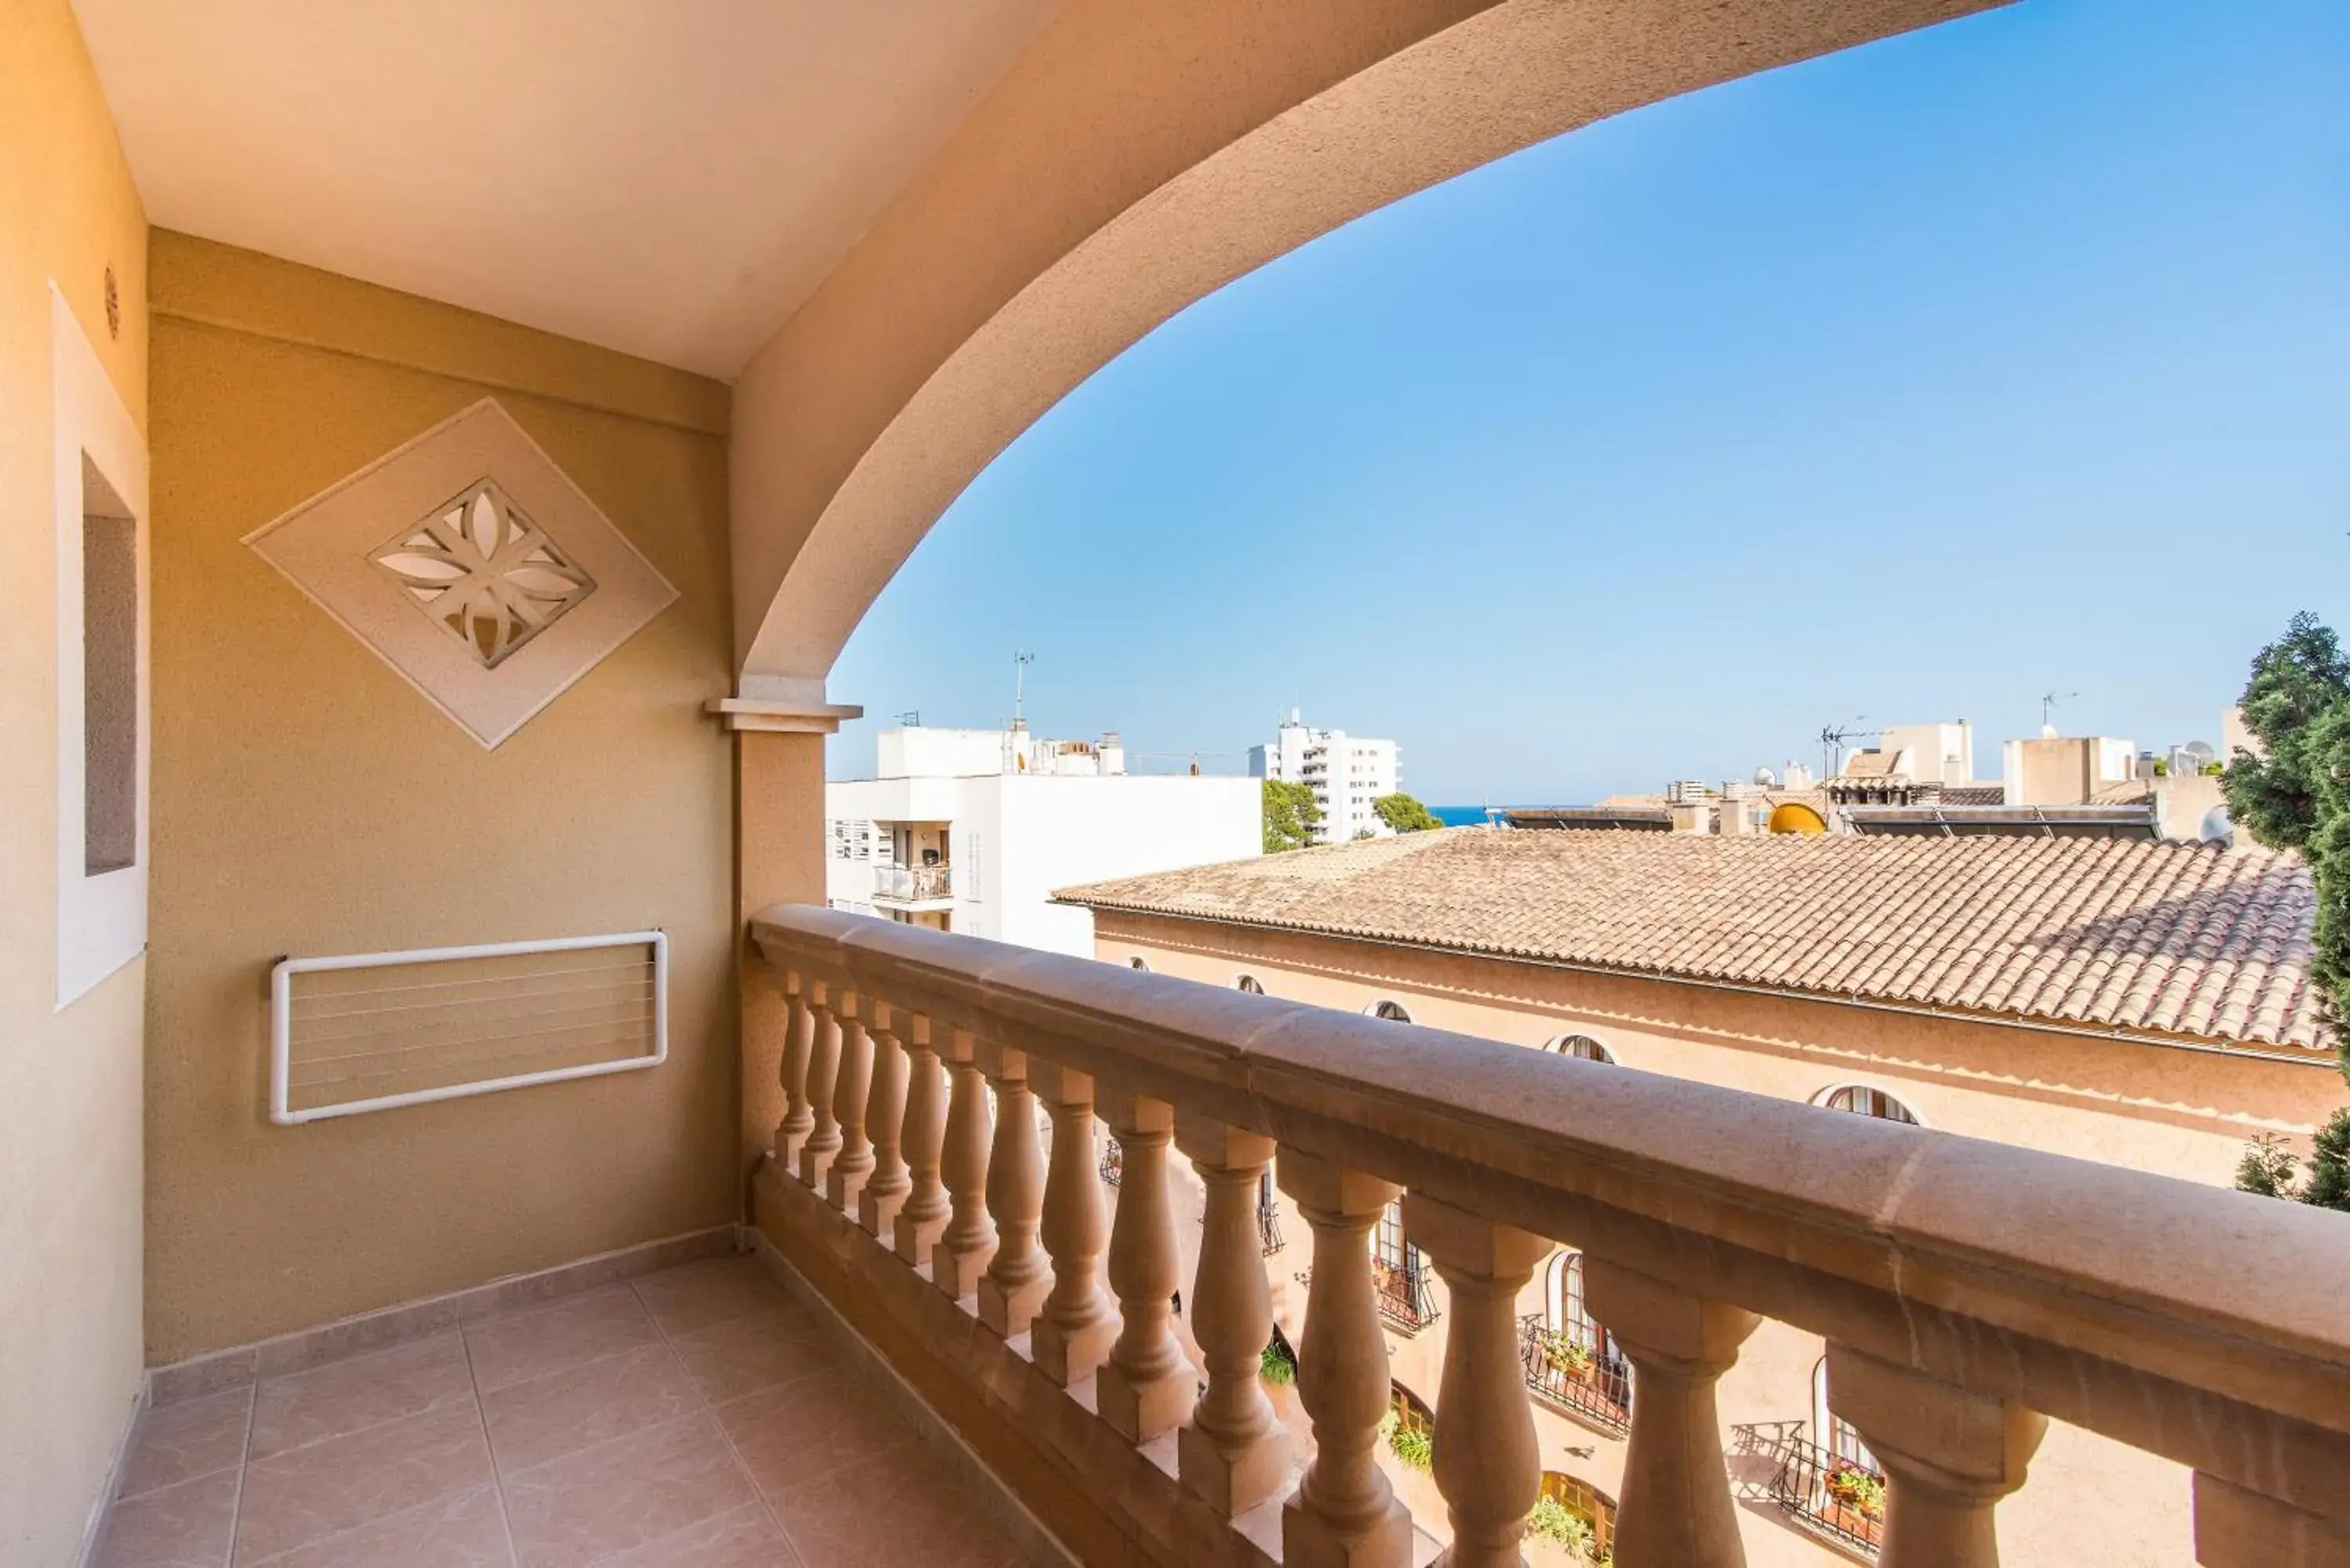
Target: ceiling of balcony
x=670 y=181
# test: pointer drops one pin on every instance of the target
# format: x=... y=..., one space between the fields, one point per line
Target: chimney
x=1693 y=815
x=1113 y=752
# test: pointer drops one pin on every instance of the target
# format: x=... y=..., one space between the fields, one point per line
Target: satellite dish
x=1766 y=778
x=1794 y=816
x=2217 y=828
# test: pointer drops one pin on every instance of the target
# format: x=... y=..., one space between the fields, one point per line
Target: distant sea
x=1472 y=815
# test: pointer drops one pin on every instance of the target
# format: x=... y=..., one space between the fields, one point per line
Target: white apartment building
x=972 y=830
x=1347 y=773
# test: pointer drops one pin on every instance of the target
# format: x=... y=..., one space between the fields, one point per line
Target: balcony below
x=697 y=1416
x=916 y=888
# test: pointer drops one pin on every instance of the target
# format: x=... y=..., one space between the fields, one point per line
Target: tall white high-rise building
x=1346 y=773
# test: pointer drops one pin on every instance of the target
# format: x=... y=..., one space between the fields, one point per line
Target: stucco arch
x=1135 y=158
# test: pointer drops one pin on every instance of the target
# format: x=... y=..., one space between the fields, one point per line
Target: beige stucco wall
x=69 y=1081
x=2181 y=1113
x=306 y=800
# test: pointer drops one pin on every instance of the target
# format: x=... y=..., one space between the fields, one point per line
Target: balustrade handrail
x=2197 y=1323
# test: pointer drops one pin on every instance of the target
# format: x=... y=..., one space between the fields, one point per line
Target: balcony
x=1839 y=1499
x=1969 y=1292
x=1588 y=1381
x=914 y=887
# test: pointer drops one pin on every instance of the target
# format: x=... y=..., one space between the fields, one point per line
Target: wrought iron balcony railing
x=1825 y=1493
x=1402 y=1292
x=1589 y=1382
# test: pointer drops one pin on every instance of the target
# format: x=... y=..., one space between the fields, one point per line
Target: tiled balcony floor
x=697 y=1416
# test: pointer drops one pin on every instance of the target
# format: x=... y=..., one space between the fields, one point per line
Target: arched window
x=1862 y=1100
x=1570 y=1360
x=1581 y=1046
x=1837 y=1436
x=1136 y=962
x=1580 y=1501
x=1249 y=983
x=1391 y=1010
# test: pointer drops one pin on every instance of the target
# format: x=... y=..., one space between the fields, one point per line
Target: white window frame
x=102 y=918
x=1841 y=1085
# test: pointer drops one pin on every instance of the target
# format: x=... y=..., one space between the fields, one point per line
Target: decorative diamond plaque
x=474 y=566
x=484 y=572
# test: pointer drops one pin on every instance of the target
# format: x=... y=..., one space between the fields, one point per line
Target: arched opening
x=1866 y=1100
x=1389 y=1009
x=1577 y=1515
x=1571 y=1363
x=1409 y=1428
x=1249 y=983
x=1583 y=1047
x=1170 y=175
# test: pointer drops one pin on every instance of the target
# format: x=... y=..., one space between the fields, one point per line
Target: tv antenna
x=1021 y=660
x=2048 y=701
x=911 y=718
x=1832 y=740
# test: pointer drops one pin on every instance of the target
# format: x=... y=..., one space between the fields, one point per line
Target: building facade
x=1550 y=940
x=1348 y=773
x=970 y=830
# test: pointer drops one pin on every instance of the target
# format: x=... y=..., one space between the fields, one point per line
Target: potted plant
x=1858 y=1490
x=1566 y=1355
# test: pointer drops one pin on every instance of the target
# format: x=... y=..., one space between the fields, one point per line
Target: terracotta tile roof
x=2158 y=938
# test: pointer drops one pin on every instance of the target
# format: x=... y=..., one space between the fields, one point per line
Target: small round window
x=1391 y=1010
x=1248 y=983
x=1137 y=963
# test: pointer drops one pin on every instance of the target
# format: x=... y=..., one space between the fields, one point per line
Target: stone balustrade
x=1968 y=1291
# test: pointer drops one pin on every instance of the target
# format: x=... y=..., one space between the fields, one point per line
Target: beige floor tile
x=467 y=1530
x=345 y=1396
x=193 y=1438
x=328 y=1488
x=580 y=1407
x=798 y=1430
x=705 y=1294
x=892 y=1514
x=746 y=1538
x=753 y=1353
x=516 y=1347
x=623 y=1494
x=183 y=1526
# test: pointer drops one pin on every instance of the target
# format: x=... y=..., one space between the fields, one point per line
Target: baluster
x=1343 y=1514
x=799 y=1040
x=852 y=1087
x=1486 y=1462
x=1232 y=1451
x=823 y=1141
x=1676 y=1508
x=2236 y=1527
x=1949 y=1456
x=1145 y=1387
x=966 y=1243
x=924 y=1213
x=888 y=1183
x=1074 y=1329
x=1018 y=1276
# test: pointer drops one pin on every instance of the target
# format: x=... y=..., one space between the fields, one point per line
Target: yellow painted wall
x=69 y=1082
x=306 y=800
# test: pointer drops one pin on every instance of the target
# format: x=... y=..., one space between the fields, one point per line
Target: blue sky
x=2008 y=357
